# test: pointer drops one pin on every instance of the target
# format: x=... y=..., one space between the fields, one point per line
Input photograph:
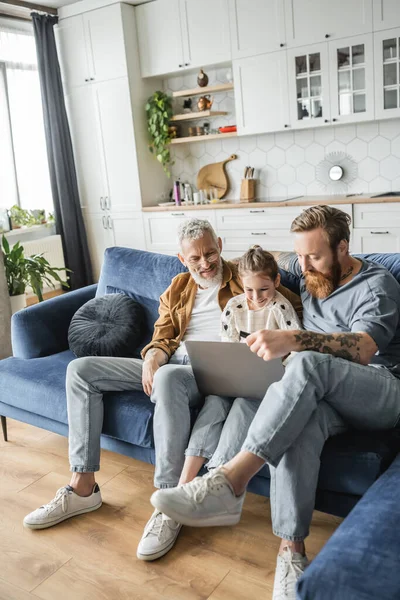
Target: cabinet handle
x=334 y=120
x=107 y=202
x=327 y=35
x=102 y=203
x=109 y=222
x=86 y=79
x=286 y=125
x=187 y=64
x=257 y=211
x=103 y=218
x=180 y=66
x=281 y=45
x=326 y=121
x=91 y=78
x=379 y=232
x=178 y=214
x=259 y=233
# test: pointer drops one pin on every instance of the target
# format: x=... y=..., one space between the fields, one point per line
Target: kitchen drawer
x=161 y=228
x=376 y=239
x=262 y=218
x=241 y=240
x=377 y=215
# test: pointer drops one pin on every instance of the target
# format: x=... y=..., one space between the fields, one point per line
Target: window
x=24 y=171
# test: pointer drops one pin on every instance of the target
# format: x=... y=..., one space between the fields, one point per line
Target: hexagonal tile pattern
x=286 y=175
x=368 y=169
x=396 y=184
x=379 y=184
x=315 y=189
x=278 y=190
x=324 y=135
x=390 y=167
x=248 y=143
x=268 y=176
x=295 y=155
x=198 y=149
x=213 y=147
x=296 y=189
x=276 y=158
x=389 y=128
x=335 y=147
x=379 y=148
x=304 y=137
x=367 y=131
x=314 y=153
x=284 y=139
x=257 y=159
x=266 y=141
x=357 y=149
x=345 y=133
x=396 y=146
x=305 y=173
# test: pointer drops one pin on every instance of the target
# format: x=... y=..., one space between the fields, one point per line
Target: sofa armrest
x=361 y=559
x=42 y=329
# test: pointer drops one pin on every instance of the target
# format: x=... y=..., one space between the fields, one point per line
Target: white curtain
x=24 y=172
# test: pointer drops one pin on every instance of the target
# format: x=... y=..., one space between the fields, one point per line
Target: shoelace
x=156 y=526
x=62 y=494
x=199 y=488
x=289 y=567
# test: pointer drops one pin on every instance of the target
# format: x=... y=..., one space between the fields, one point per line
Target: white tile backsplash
x=286 y=162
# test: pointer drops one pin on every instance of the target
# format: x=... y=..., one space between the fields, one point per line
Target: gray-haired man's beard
x=208 y=283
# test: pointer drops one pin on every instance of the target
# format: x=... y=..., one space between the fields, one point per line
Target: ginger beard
x=321 y=286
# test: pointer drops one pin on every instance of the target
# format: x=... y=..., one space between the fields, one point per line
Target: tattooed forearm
x=158 y=354
x=342 y=345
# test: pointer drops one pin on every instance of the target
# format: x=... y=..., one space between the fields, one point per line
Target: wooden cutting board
x=214 y=175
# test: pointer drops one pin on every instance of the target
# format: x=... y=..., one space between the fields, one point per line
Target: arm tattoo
x=342 y=345
x=153 y=352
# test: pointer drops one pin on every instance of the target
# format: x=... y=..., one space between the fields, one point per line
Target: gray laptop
x=229 y=369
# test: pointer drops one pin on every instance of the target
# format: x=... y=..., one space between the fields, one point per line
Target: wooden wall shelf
x=199 y=115
x=210 y=89
x=202 y=138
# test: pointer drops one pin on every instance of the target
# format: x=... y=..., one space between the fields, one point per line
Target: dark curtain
x=68 y=214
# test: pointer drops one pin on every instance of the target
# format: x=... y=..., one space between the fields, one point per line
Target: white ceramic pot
x=17 y=303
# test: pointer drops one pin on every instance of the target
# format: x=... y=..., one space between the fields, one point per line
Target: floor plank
x=94 y=556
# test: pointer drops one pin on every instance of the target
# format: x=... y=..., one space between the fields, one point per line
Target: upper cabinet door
x=386 y=14
x=261 y=93
x=205 y=31
x=118 y=142
x=387 y=73
x=257 y=27
x=71 y=45
x=160 y=37
x=308 y=75
x=352 y=79
x=105 y=43
x=311 y=21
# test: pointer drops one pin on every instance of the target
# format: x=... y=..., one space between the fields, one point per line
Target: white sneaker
x=204 y=502
x=159 y=537
x=64 y=505
x=289 y=568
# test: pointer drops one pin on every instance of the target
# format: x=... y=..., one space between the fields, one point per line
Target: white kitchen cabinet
x=261 y=93
x=99 y=237
x=311 y=21
x=257 y=27
x=387 y=73
x=91 y=47
x=161 y=228
x=72 y=54
x=376 y=214
x=205 y=32
x=236 y=243
x=386 y=14
x=253 y=219
x=127 y=230
x=160 y=37
x=309 y=95
x=377 y=239
x=351 y=68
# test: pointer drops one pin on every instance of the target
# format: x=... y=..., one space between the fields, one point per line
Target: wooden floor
x=93 y=557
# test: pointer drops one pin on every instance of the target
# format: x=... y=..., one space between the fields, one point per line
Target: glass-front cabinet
x=387 y=73
x=309 y=86
x=351 y=79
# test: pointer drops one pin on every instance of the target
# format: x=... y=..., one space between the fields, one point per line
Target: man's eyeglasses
x=210 y=257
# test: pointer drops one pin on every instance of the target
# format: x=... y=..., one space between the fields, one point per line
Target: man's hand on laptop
x=268 y=344
x=153 y=360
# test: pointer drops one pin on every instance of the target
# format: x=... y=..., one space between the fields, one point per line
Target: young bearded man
x=346 y=374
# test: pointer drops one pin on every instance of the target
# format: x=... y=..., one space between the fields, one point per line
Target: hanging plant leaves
x=159 y=113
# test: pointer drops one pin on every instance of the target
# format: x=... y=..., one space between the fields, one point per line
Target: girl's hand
x=268 y=344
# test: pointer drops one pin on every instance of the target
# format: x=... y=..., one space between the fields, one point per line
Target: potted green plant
x=159 y=113
x=23 y=271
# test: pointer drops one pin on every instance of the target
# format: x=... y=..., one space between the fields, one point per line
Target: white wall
x=286 y=161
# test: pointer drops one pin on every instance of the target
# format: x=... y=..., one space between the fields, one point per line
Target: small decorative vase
x=17 y=303
x=202 y=79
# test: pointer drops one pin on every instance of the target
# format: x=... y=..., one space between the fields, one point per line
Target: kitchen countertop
x=301 y=201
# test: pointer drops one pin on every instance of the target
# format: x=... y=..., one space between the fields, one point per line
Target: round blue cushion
x=111 y=325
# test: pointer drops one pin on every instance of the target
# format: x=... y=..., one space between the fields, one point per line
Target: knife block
x=247 y=190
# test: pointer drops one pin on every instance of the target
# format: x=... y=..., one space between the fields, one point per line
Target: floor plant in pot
x=27 y=271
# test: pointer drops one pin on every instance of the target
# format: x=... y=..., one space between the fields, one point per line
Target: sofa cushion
x=111 y=325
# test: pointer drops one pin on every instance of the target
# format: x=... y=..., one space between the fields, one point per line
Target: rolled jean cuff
x=216 y=462
x=259 y=452
x=197 y=452
x=80 y=469
x=164 y=486
x=290 y=538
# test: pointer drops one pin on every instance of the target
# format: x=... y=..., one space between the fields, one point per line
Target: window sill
x=26 y=234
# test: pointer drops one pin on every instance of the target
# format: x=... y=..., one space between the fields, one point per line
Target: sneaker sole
x=216 y=521
x=61 y=519
x=155 y=555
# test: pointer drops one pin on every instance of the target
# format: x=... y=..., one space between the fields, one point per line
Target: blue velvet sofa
x=32 y=386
